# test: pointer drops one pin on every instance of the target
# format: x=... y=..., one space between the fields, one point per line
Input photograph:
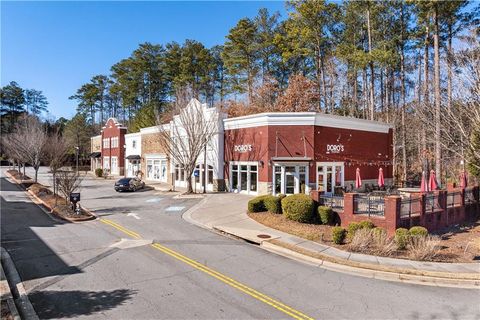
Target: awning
x=95 y=155
x=292 y=159
x=133 y=157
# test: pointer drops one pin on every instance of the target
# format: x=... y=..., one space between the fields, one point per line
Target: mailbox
x=74 y=197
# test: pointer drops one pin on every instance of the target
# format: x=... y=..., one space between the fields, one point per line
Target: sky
x=57 y=46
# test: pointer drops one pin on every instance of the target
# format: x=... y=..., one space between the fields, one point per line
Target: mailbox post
x=74 y=198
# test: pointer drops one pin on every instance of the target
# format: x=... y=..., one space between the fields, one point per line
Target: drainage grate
x=264 y=236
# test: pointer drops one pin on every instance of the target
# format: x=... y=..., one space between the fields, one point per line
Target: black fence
x=367 y=204
x=334 y=202
x=454 y=199
x=410 y=207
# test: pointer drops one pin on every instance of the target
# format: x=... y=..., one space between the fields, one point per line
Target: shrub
x=366 y=225
x=423 y=248
x=401 y=238
x=362 y=240
x=273 y=204
x=257 y=204
x=298 y=207
x=352 y=228
x=379 y=232
x=99 y=172
x=325 y=214
x=418 y=231
x=338 y=235
x=281 y=196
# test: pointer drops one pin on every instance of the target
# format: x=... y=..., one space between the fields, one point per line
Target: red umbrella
x=381 y=180
x=358 y=179
x=432 y=184
x=463 y=180
x=423 y=184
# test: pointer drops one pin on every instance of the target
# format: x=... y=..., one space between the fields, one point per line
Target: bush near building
x=325 y=214
x=338 y=235
x=401 y=238
x=257 y=204
x=418 y=231
x=99 y=172
x=273 y=204
x=298 y=207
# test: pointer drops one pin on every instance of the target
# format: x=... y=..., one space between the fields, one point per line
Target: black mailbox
x=74 y=197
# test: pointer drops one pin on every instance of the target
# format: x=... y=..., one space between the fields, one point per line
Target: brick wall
x=151 y=144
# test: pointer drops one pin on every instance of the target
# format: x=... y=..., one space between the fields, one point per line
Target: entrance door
x=330 y=175
x=290 y=178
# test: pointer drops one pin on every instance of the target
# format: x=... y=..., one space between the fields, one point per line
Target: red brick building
x=296 y=152
x=113 y=147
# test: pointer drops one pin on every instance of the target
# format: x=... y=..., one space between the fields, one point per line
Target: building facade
x=133 y=155
x=209 y=169
x=95 y=153
x=287 y=153
x=154 y=159
x=113 y=147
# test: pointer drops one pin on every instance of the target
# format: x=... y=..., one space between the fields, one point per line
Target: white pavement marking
x=133 y=215
x=154 y=200
x=174 y=209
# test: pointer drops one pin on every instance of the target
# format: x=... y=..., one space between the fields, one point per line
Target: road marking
x=217 y=275
x=133 y=215
x=174 y=209
x=119 y=227
x=154 y=200
x=233 y=283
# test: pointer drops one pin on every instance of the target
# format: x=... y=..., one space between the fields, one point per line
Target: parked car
x=129 y=184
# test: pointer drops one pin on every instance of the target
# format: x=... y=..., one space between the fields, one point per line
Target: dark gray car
x=129 y=184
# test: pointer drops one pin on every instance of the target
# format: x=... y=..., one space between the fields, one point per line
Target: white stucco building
x=133 y=152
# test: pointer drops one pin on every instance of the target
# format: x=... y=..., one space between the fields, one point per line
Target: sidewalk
x=226 y=212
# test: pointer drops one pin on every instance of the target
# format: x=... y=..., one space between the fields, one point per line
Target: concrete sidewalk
x=226 y=212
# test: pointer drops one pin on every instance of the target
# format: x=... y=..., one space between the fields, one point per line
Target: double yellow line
x=217 y=275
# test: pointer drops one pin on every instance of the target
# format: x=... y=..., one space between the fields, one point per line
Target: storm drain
x=263 y=236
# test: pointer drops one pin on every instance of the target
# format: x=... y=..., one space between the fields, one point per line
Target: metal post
x=205 y=172
x=78 y=151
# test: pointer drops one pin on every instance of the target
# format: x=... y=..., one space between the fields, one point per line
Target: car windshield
x=126 y=180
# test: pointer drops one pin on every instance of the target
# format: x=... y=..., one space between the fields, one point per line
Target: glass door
x=291 y=180
x=330 y=175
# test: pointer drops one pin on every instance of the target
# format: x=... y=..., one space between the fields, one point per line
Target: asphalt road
x=72 y=270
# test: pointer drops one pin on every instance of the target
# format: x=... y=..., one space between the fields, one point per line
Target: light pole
x=77 y=149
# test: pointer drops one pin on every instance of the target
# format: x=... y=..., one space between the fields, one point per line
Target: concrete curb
x=22 y=302
x=367 y=272
x=52 y=210
x=7 y=296
x=390 y=273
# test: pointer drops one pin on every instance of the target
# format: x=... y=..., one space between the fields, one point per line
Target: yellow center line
x=215 y=274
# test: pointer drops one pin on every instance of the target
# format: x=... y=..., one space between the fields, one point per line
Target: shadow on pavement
x=33 y=258
x=67 y=304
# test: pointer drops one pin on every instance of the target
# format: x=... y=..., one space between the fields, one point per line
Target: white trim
x=155 y=129
x=155 y=156
x=297 y=186
x=305 y=119
x=133 y=135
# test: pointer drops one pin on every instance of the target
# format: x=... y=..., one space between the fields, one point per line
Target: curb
x=22 y=302
x=52 y=210
x=372 y=273
x=7 y=295
x=187 y=215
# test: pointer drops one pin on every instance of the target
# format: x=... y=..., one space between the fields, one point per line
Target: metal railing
x=469 y=196
x=334 y=202
x=454 y=199
x=432 y=203
x=371 y=205
x=410 y=207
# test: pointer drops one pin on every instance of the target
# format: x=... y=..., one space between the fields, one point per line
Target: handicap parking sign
x=196 y=173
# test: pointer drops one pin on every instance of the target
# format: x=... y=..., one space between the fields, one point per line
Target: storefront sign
x=242 y=148
x=335 y=148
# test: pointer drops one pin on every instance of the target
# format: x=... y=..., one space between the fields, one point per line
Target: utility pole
x=205 y=171
x=77 y=152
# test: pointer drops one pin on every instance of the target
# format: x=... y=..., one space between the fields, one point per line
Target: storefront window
x=320 y=180
x=210 y=174
x=244 y=177
x=338 y=176
x=253 y=178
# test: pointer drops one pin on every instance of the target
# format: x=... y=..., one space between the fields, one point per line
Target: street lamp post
x=77 y=152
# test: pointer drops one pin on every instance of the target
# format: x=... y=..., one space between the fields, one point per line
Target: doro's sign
x=242 y=148
x=335 y=148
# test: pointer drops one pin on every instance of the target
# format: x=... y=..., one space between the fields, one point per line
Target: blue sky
x=57 y=46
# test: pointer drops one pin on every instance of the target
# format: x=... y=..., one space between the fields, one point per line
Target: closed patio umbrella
x=463 y=180
x=432 y=183
x=381 y=180
x=358 y=179
x=423 y=184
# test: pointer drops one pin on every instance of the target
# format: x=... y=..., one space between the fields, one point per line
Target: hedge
x=99 y=172
x=338 y=235
x=273 y=204
x=366 y=224
x=325 y=214
x=257 y=204
x=418 y=231
x=298 y=207
x=401 y=237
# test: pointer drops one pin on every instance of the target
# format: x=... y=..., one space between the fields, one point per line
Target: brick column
x=347 y=215
x=392 y=213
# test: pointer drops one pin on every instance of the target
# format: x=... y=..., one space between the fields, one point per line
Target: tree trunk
x=449 y=67
x=324 y=83
x=36 y=173
x=372 y=74
x=438 y=152
x=402 y=85
x=426 y=81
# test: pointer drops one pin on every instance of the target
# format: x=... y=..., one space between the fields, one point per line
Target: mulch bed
x=458 y=244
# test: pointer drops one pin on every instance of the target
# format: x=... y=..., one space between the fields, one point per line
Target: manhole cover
x=263 y=236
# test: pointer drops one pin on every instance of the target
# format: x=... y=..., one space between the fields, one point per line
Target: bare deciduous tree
x=68 y=182
x=185 y=138
x=56 y=153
